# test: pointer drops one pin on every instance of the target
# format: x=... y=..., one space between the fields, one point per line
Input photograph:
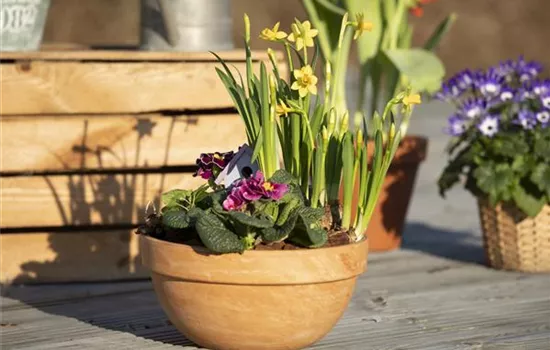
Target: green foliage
x=513 y=166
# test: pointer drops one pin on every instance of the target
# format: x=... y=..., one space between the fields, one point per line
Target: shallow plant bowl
x=276 y=299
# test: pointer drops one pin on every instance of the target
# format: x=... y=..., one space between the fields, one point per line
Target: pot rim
x=254 y=267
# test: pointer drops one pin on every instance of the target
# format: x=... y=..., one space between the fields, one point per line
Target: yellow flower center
x=217 y=156
x=267 y=186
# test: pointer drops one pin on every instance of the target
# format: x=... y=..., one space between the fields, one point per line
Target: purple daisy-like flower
x=507 y=94
x=543 y=117
x=253 y=189
x=457 y=125
x=464 y=79
x=545 y=99
x=449 y=91
x=473 y=108
x=526 y=119
x=211 y=164
x=540 y=88
x=505 y=69
x=527 y=70
x=489 y=84
x=489 y=125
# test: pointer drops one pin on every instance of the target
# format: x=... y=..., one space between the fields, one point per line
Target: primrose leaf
x=541 y=178
x=308 y=231
x=284 y=214
x=173 y=197
x=282 y=177
x=528 y=203
x=216 y=237
x=249 y=220
x=176 y=219
x=279 y=233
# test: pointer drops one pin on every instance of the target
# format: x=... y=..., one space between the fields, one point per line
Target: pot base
x=240 y=317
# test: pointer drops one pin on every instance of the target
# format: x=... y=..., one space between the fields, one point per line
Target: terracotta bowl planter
x=285 y=299
x=386 y=225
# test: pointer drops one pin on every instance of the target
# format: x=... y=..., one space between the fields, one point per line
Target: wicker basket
x=514 y=241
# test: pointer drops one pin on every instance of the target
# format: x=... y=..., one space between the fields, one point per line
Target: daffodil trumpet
x=286 y=118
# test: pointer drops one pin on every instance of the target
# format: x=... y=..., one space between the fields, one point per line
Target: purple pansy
x=252 y=189
x=457 y=125
x=526 y=119
x=489 y=125
x=211 y=164
x=473 y=108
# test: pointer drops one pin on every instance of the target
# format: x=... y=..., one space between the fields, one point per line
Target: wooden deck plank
x=443 y=304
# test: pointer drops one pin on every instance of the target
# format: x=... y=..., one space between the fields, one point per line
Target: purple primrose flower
x=211 y=164
x=252 y=189
x=489 y=125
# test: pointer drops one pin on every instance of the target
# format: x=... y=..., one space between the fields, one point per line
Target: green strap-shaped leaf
x=423 y=69
x=216 y=237
x=249 y=220
x=440 y=32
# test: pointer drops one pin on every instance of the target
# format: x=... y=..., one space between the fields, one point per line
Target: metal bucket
x=186 y=25
x=22 y=24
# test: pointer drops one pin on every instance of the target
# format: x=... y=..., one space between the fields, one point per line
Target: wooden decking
x=407 y=300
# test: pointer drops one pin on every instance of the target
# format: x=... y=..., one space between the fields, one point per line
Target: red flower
x=417 y=10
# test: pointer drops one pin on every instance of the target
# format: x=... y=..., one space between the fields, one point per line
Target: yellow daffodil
x=282 y=109
x=305 y=81
x=361 y=26
x=273 y=34
x=413 y=99
x=302 y=34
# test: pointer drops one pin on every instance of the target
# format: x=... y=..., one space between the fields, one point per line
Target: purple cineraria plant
x=457 y=125
x=488 y=126
x=526 y=119
x=489 y=84
x=473 y=108
x=252 y=189
x=508 y=97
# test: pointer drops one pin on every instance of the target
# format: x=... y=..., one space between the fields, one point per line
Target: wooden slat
x=95 y=23
x=100 y=87
x=74 y=256
x=237 y=55
x=78 y=142
x=62 y=200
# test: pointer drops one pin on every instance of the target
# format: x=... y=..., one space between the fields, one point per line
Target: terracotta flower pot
x=386 y=225
x=285 y=299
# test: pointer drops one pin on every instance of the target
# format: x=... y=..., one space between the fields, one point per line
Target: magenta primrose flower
x=252 y=189
x=211 y=164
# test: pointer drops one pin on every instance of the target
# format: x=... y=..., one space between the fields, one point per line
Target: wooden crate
x=87 y=140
